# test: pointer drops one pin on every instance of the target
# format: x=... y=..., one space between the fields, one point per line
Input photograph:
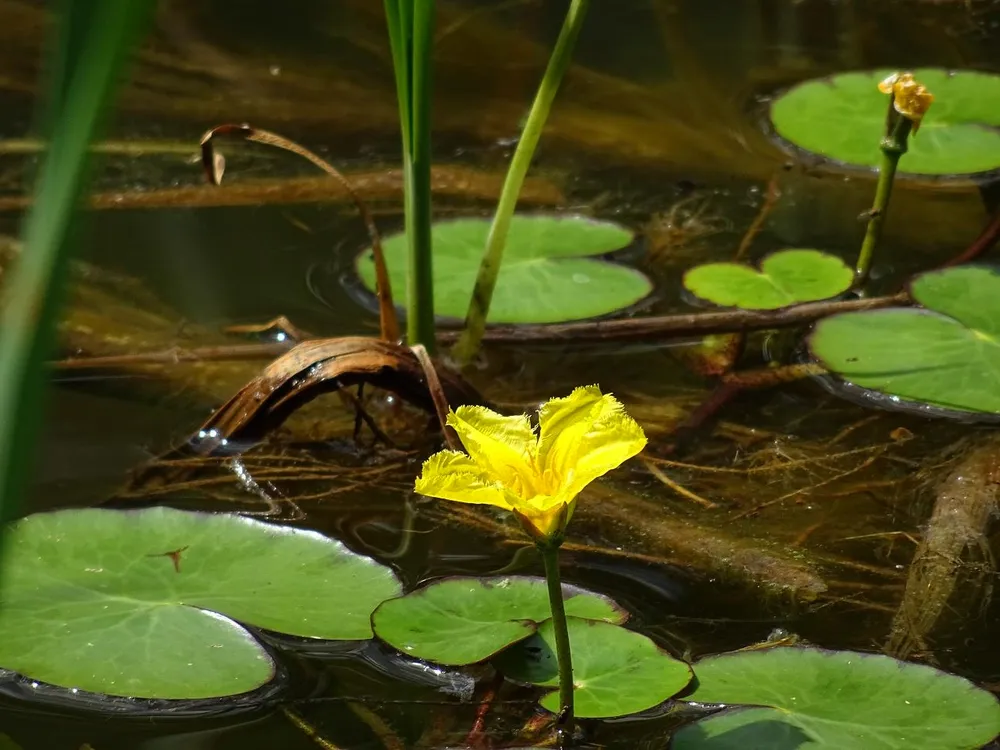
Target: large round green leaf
x=546 y=275
x=131 y=603
x=459 y=621
x=786 y=277
x=843 y=118
x=616 y=672
x=841 y=700
x=946 y=354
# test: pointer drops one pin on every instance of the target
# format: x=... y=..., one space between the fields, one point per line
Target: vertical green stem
x=96 y=35
x=411 y=37
x=550 y=556
x=893 y=147
x=475 y=320
x=420 y=291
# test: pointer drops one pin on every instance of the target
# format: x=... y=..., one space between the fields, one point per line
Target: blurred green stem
x=93 y=39
x=411 y=37
x=550 y=557
x=893 y=146
x=479 y=306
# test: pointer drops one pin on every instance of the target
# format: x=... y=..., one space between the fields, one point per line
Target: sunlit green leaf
x=843 y=118
x=841 y=700
x=786 y=277
x=467 y=620
x=946 y=353
x=616 y=672
x=131 y=603
x=548 y=273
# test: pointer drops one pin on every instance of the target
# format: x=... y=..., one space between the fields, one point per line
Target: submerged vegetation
x=720 y=517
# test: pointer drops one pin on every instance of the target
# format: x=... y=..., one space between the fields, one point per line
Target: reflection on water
x=807 y=506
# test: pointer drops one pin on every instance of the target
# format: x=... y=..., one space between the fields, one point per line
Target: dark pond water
x=806 y=508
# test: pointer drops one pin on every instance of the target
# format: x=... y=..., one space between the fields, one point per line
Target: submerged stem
x=893 y=147
x=489 y=268
x=550 y=556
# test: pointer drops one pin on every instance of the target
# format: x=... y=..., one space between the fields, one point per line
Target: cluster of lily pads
x=162 y=603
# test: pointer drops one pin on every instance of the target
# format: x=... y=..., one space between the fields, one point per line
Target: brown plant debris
x=950 y=576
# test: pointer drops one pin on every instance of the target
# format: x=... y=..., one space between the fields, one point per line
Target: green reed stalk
x=411 y=37
x=479 y=306
x=93 y=39
x=893 y=146
x=550 y=557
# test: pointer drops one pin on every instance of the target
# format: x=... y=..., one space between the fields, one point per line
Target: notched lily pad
x=843 y=117
x=787 y=277
x=549 y=272
x=138 y=603
x=616 y=672
x=946 y=353
x=807 y=697
x=458 y=621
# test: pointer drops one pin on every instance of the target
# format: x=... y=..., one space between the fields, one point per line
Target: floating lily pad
x=548 y=273
x=945 y=354
x=843 y=118
x=459 y=621
x=786 y=277
x=808 y=697
x=616 y=672
x=137 y=603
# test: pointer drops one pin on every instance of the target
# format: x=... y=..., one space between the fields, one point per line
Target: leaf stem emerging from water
x=550 y=557
x=479 y=306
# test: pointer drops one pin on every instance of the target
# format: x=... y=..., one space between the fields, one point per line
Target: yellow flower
x=537 y=476
x=909 y=97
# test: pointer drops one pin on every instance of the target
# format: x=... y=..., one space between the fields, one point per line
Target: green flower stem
x=411 y=37
x=893 y=147
x=550 y=556
x=479 y=306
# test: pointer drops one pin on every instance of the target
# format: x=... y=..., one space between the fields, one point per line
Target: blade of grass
x=479 y=306
x=92 y=43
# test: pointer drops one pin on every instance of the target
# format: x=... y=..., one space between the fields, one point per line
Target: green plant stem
x=550 y=557
x=411 y=37
x=94 y=39
x=475 y=320
x=893 y=147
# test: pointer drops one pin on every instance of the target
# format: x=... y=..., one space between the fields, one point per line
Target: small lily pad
x=458 y=621
x=548 y=275
x=946 y=353
x=786 y=277
x=807 y=697
x=616 y=672
x=843 y=118
x=138 y=603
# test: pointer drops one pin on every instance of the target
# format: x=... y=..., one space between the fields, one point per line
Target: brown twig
x=679 y=326
x=477 y=735
x=653 y=469
x=437 y=395
x=307 y=729
x=770 y=199
x=214 y=165
x=986 y=239
x=177 y=355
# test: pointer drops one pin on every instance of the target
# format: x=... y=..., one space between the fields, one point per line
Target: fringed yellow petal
x=502 y=446
x=583 y=437
x=450 y=475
